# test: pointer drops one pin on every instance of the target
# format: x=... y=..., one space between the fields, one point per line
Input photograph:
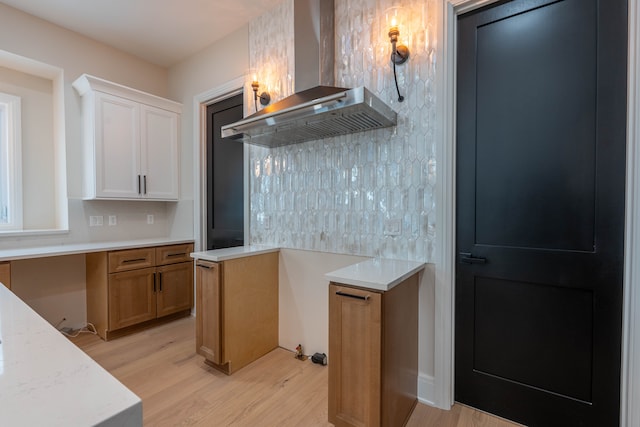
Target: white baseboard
x=427 y=390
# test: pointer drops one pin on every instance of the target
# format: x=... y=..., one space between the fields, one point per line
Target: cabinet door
x=159 y=151
x=174 y=284
x=132 y=297
x=355 y=332
x=117 y=148
x=208 y=311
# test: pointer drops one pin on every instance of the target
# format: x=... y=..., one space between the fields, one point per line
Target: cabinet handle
x=145 y=184
x=139 y=184
x=127 y=261
x=344 y=294
x=160 y=281
x=176 y=254
x=208 y=267
x=154 y=283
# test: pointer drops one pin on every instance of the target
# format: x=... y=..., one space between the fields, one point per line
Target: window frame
x=11 y=144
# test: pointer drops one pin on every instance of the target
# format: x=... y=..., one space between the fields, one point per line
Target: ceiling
x=162 y=32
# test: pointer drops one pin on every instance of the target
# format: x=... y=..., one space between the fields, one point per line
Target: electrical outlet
x=113 y=220
x=149 y=219
x=392 y=227
x=96 y=221
x=264 y=221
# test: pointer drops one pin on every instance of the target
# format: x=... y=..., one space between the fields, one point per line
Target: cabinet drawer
x=131 y=259
x=173 y=254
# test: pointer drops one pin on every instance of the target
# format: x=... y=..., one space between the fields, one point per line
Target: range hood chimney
x=317 y=110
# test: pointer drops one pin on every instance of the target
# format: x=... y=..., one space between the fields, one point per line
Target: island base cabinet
x=236 y=310
x=373 y=354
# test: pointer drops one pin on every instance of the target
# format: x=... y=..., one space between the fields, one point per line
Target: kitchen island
x=46 y=380
x=236 y=305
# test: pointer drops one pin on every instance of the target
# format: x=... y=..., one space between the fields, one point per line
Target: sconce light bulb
x=393 y=34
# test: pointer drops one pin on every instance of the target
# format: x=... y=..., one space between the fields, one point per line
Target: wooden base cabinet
x=5 y=274
x=134 y=287
x=236 y=310
x=373 y=354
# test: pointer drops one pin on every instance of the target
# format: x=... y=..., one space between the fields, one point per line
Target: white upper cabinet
x=131 y=142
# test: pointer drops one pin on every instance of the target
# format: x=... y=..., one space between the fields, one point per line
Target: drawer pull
x=208 y=267
x=128 y=261
x=344 y=294
x=175 y=254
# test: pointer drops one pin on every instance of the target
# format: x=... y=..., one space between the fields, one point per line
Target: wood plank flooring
x=178 y=389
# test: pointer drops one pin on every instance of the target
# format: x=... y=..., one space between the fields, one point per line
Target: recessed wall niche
x=44 y=185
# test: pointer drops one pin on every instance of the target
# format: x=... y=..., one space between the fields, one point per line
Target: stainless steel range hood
x=316 y=113
x=318 y=109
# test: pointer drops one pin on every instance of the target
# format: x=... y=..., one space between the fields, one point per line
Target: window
x=10 y=163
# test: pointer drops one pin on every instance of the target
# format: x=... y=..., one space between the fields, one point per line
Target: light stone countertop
x=217 y=255
x=376 y=274
x=79 y=248
x=45 y=380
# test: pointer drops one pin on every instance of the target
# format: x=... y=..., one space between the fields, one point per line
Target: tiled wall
x=347 y=194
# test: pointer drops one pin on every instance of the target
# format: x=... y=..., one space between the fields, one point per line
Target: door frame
x=200 y=104
x=442 y=394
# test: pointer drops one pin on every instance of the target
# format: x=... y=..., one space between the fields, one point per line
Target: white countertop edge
x=130 y=417
x=376 y=274
x=44 y=370
x=79 y=248
x=225 y=254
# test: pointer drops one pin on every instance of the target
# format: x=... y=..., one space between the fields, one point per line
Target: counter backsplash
x=370 y=193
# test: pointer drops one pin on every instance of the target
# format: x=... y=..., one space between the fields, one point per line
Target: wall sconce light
x=264 y=97
x=399 y=52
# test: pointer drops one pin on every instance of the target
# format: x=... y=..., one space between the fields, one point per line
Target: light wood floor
x=178 y=388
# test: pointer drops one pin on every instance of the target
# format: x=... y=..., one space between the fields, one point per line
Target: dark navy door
x=541 y=135
x=225 y=188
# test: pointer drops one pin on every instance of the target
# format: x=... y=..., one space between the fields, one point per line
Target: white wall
x=30 y=37
x=304 y=297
